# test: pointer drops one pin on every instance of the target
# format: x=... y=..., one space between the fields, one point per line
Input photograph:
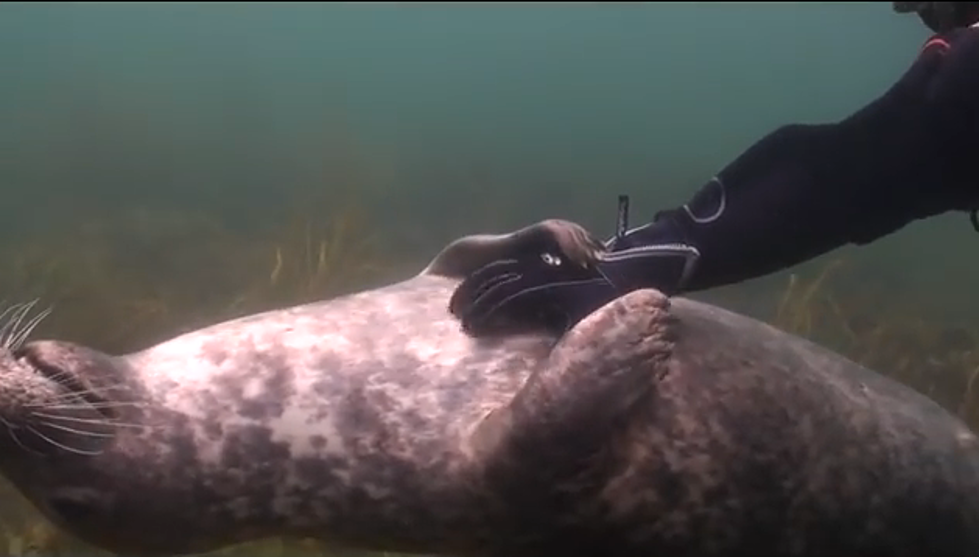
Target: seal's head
x=63 y=411
x=46 y=407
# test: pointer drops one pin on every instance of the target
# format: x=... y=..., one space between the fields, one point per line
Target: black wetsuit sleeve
x=804 y=190
x=953 y=93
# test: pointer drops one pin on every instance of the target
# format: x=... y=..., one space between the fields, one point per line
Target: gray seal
x=370 y=421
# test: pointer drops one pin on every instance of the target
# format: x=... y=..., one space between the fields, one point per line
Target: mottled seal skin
x=654 y=427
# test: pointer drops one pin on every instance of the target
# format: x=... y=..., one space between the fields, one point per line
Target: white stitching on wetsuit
x=720 y=208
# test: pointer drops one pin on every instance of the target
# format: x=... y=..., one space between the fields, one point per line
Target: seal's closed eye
x=69 y=509
x=76 y=505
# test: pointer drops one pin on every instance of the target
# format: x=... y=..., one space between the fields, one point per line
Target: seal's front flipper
x=594 y=377
x=470 y=253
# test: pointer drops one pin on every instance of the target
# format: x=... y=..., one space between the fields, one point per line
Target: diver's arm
x=804 y=190
x=799 y=192
x=766 y=211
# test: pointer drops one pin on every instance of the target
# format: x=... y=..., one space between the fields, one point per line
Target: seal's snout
x=60 y=364
x=55 y=398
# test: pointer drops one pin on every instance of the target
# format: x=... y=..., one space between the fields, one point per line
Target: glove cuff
x=665 y=267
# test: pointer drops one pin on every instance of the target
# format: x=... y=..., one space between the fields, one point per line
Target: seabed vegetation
x=119 y=285
x=933 y=357
x=145 y=275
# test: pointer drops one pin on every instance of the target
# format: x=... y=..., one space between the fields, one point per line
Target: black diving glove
x=548 y=290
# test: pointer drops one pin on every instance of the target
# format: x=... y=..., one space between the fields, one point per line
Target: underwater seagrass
x=489 y=448
x=934 y=358
x=89 y=273
x=147 y=274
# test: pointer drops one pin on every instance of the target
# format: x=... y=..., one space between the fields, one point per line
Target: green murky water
x=164 y=166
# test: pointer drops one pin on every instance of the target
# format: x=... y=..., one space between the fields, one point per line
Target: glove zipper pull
x=622 y=224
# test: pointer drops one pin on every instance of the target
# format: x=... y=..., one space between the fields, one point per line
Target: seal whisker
x=83 y=404
x=8 y=310
x=74 y=450
x=106 y=390
x=76 y=431
x=17 y=340
x=70 y=396
x=73 y=397
x=80 y=396
x=11 y=429
x=65 y=380
x=3 y=316
x=103 y=422
x=60 y=376
x=102 y=392
x=15 y=324
x=16 y=314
